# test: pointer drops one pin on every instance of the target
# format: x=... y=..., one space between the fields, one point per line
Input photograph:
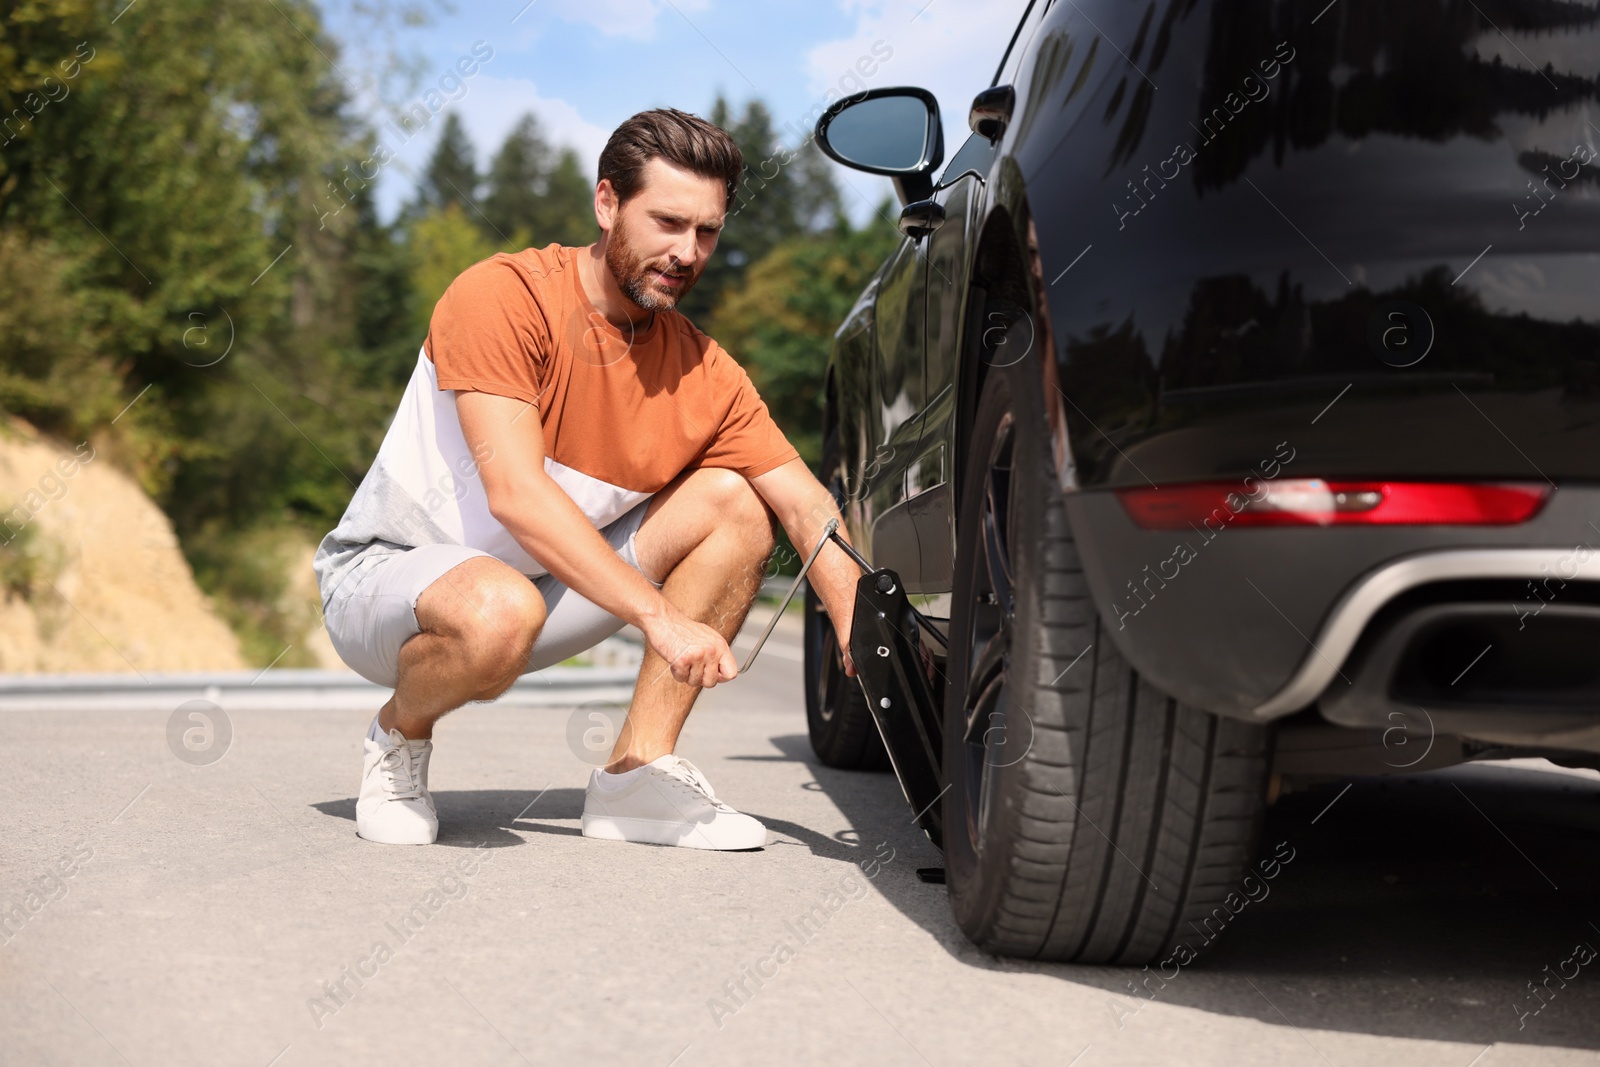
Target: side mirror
x=892 y=131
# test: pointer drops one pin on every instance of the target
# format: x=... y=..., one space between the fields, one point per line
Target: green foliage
x=516 y=178
x=567 y=213
x=28 y=561
x=52 y=372
x=187 y=157
x=537 y=196
x=381 y=305
x=175 y=258
x=451 y=176
x=443 y=244
x=246 y=572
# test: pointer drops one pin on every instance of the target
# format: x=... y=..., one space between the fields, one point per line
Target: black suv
x=1233 y=412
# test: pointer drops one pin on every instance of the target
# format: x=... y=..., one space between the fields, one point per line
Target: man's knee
x=509 y=618
x=492 y=611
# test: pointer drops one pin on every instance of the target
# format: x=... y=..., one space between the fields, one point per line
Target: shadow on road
x=471 y=816
x=1416 y=906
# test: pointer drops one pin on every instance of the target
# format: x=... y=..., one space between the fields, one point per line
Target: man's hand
x=695 y=653
x=843 y=632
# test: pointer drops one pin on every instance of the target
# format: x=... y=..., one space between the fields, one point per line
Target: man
x=571 y=455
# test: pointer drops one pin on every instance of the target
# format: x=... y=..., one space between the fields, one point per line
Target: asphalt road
x=227 y=914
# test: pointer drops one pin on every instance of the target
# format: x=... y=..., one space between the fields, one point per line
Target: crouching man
x=572 y=454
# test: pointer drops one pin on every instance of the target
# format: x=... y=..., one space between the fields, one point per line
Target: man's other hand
x=695 y=653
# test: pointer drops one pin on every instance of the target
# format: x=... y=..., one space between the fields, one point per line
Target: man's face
x=662 y=238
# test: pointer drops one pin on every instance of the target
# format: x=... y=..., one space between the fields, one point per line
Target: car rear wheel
x=1089 y=817
x=837 y=717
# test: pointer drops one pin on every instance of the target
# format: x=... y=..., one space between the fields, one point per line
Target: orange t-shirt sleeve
x=747 y=441
x=488 y=333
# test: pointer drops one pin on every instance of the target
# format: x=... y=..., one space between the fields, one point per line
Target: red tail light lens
x=1315 y=502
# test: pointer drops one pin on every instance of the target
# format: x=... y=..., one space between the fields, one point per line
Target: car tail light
x=1315 y=502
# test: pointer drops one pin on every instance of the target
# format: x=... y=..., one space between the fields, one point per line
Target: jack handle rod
x=830 y=530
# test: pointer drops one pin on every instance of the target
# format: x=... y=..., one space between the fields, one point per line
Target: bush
x=247 y=575
x=50 y=371
x=28 y=562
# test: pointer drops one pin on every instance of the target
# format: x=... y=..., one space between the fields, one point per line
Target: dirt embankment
x=91 y=575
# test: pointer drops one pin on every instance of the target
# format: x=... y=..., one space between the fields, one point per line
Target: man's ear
x=606 y=204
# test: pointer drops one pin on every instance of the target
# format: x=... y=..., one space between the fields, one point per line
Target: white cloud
x=497 y=103
x=622 y=18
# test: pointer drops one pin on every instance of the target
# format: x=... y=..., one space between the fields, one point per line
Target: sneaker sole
x=381 y=841
x=656 y=832
x=414 y=835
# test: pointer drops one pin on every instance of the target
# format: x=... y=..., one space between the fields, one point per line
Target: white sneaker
x=395 y=807
x=669 y=802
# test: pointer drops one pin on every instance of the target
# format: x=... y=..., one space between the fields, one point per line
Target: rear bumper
x=1260 y=623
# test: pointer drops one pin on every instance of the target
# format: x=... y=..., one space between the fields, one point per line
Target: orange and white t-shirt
x=624 y=412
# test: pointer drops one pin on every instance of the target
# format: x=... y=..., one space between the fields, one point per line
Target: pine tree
x=452 y=173
x=517 y=181
x=566 y=213
x=536 y=195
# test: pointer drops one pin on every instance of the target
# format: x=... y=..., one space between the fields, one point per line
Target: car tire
x=1088 y=816
x=838 y=719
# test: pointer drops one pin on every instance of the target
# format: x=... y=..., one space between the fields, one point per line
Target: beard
x=635 y=275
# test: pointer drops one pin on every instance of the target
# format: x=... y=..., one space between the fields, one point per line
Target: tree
x=537 y=196
x=517 y=181
x=818 y=205
x=380 y=305
x=442 y=244
x=451 y=176
x=566 y=213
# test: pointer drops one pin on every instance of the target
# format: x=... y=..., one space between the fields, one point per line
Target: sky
x=583 y=66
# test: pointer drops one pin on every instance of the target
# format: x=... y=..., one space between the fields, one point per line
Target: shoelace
x=402 y=767
x=690 y=775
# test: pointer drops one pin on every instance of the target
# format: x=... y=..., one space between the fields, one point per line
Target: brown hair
x=680 y=138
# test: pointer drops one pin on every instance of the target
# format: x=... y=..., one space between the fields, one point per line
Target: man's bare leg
x=710 y=534
x=479 y=621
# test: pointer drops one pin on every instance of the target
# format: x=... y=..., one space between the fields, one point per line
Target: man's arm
x=804 y=507
x=553 y=530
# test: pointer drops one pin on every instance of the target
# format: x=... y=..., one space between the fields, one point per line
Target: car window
x=975 y=154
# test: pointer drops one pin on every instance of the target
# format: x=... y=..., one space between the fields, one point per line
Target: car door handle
x=991 y=111
x=920 y=218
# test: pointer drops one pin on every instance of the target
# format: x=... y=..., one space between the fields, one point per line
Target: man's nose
x=687 y=251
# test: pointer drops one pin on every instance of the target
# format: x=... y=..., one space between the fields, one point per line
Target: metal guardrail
x=295 y=688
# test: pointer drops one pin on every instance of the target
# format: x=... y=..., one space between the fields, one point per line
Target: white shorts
x=374 y=610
